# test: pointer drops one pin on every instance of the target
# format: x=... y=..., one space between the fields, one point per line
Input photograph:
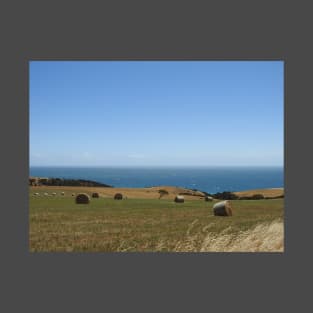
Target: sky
x=156 y=113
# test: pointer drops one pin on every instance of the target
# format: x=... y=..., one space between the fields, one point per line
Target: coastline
x=208 y=179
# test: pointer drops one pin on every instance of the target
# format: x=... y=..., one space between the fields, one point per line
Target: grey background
x=47 y=282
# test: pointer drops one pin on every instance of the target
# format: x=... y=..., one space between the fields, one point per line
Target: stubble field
x=57 y=223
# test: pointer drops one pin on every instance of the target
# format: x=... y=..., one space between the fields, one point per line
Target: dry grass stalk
x=265 y=237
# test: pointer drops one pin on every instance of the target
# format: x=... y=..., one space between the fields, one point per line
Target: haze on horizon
x=156 y=113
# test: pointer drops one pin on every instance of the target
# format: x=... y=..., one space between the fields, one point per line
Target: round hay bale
x=73 y=194
x=54 y=193
x=95 y=195
x=118 y=196
x=46 y=194
x=82 y=198
x=222 y=208
x=62 y=193
x=179 y=199
x=207 y=198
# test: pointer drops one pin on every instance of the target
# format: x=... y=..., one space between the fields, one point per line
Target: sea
x=208 y=179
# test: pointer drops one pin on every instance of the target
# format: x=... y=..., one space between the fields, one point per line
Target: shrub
x=257 y=197
x=253 y=197
x=226 y=195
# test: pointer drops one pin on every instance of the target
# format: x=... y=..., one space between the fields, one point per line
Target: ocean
x=209 y=179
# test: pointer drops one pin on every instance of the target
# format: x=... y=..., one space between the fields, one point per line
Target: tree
x=162 y=193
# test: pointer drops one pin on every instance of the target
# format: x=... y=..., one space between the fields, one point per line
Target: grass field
x=56 y=223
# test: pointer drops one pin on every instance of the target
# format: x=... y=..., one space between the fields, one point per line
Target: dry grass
x=274 y=192
x=265 y=237
x=131 y=193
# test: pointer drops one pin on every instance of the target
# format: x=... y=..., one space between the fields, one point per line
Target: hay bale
x=54 y=193
x=95 y=195
x=179 y=199
x=62 y=193
x=82 y=198
x=73 y=194
x=207 y=198
x=118 y=196
x=222 y=208
x=46 y=194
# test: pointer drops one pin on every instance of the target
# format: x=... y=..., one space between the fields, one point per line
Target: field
x=274 y=192
x=147 y=223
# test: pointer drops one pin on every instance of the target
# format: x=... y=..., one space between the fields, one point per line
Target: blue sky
x=156 y=113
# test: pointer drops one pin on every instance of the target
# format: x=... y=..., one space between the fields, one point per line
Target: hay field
x=131 y=193
x=142 y=222
x=273 y=192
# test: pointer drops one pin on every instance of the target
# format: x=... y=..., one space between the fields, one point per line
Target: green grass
x=58 y=224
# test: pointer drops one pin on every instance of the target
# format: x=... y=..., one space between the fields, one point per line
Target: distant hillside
x=269 y=193
x=257 y=194
x=43 y=181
